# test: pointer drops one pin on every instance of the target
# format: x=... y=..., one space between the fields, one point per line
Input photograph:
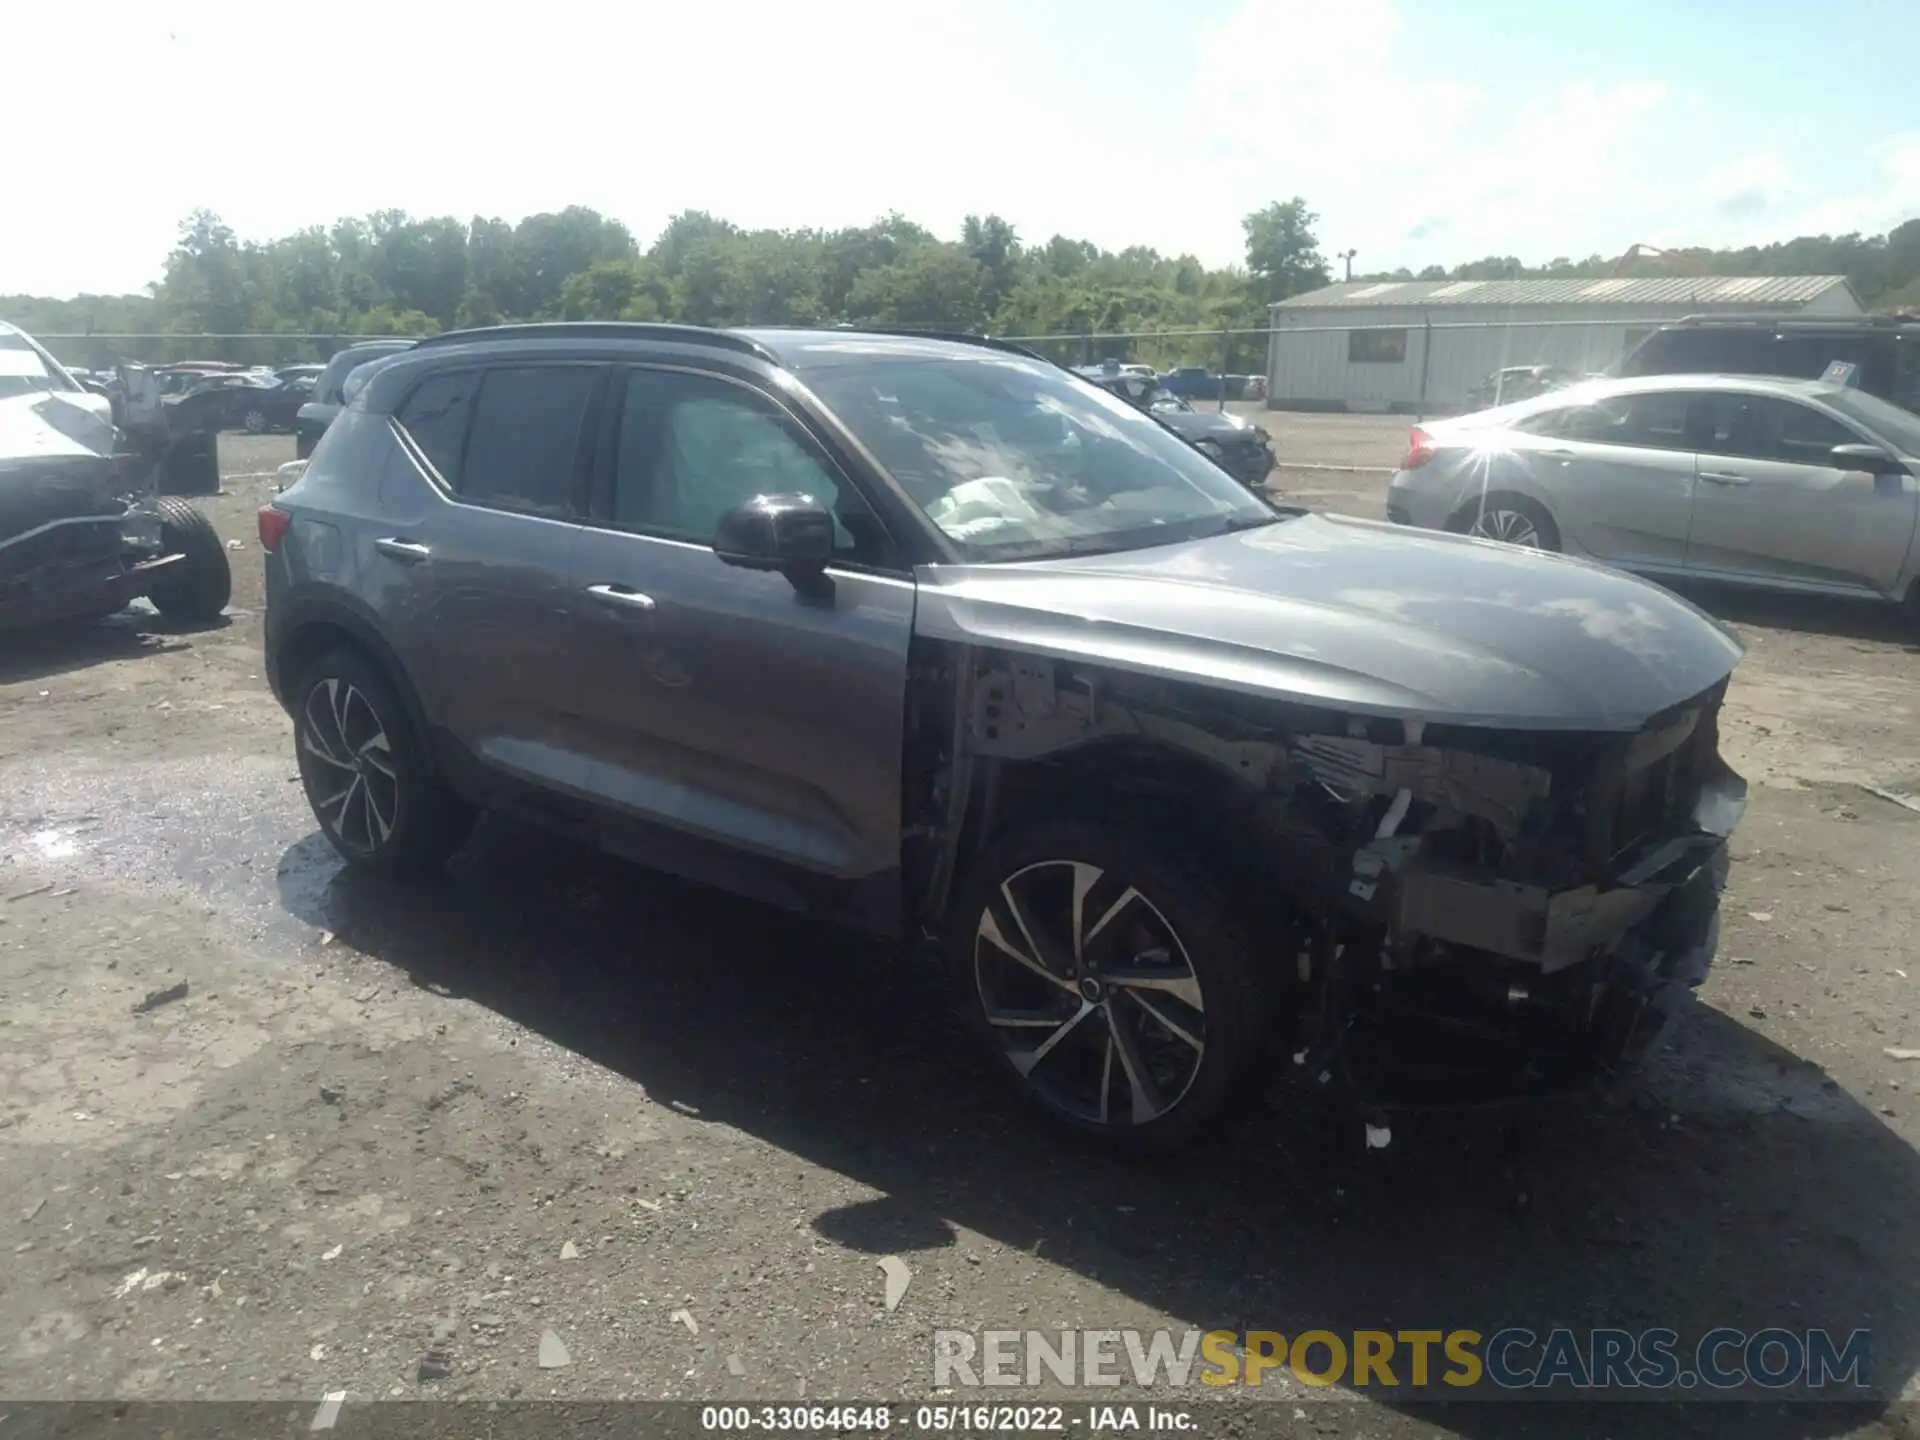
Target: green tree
x=1283 y=253
x=935 y=287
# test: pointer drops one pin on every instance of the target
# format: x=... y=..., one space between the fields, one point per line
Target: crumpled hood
x=56 y=463
x=52 y=423
x=1359 y=616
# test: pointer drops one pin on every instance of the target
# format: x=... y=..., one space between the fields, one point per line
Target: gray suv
x=933 y=638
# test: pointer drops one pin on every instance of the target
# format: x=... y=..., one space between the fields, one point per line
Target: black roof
x=796 y=345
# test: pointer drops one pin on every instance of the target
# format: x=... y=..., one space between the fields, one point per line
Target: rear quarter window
x=435 y=417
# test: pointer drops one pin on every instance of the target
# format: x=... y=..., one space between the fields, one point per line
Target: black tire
x=1481 y=516
x=303 y=444
x=198 y=588
x=365 y=771
x=1204 y=951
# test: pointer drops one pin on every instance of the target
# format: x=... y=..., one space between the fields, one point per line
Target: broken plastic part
x=1396 y=812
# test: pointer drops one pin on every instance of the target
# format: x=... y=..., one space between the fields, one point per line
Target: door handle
x=620 y=597
x=410 y=552
x=1721 y=477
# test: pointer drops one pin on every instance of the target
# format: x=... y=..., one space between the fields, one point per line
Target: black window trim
x=583 y=453
x=1628 y=397
x=1365 y=334
x=606 y=458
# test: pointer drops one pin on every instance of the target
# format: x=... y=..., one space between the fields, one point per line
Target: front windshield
x=1014 y=459
x=1898 y=427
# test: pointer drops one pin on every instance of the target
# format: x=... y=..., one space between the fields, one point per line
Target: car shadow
x=1815 y=614
x=64 y=646
x=1732 y=1185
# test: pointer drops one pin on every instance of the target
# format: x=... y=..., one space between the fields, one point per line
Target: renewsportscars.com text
x=1443 y=1362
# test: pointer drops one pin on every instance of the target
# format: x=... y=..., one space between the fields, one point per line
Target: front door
x=1771 y=505
x=721 y=702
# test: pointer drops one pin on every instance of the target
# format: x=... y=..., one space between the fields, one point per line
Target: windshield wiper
x=1236 y=523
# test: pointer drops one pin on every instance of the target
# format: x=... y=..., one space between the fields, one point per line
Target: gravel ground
x=556 y=1094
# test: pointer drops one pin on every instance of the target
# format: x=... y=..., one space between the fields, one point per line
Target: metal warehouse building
x=1423 y=345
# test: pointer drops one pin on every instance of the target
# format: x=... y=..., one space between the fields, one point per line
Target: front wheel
x=1112 y=985
x=198 y=587
x=255 y=421
x=365 y=772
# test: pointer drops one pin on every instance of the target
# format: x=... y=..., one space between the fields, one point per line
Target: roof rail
x=604 y=330
x=958 y=337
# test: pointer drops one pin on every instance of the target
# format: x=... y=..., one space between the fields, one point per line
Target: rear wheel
x=1511 y=519
x=256 y=421
x=1114 y=987
x=365 y=771
x=198 y=588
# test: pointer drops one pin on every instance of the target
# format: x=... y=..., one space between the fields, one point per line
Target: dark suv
x=311 y=419
x=1883 y=349
x=930 y=636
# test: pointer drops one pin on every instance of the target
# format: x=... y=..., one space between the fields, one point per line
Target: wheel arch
x=1152 y=786
x=315 y=624
x=1508 y=485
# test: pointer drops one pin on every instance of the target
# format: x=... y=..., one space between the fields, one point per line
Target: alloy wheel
x=256 y=422
x=1508 y=525
x=1090 y=992
x=349 y=766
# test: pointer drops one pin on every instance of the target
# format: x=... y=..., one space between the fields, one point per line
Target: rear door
x=482 y=513
x=1618 y=476
x=1772 y=506
x=721 y=702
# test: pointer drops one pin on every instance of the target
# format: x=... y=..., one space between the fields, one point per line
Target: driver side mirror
x=792 y=534
x=1870 y=458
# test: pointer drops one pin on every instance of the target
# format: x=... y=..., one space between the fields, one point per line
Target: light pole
x=1347 y=256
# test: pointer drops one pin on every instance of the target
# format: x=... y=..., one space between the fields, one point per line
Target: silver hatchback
x=1790 y=484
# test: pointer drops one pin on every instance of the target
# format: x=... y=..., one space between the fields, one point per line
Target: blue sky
x=1422 y=131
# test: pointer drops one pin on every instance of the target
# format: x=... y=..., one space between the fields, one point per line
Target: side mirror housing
x=1870 y=458
x=792 y=534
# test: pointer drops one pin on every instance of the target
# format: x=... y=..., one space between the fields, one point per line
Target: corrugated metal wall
x=1312 y=369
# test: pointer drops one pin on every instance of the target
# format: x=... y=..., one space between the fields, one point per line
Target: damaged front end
x=1534 y=907
x=74 y=538
x=1470 y=914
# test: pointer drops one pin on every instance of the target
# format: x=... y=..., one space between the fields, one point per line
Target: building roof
x=1697 y=291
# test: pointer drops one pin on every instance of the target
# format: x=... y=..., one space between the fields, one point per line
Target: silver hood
x=1358 y=616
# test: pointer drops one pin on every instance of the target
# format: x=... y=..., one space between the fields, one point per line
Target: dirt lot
x=558 y=1094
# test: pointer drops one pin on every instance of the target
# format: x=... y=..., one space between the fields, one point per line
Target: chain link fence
x=1418 y=365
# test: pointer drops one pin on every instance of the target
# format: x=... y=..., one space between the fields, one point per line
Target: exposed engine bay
x=1461 y=913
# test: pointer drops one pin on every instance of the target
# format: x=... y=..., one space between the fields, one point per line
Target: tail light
x=1420 y=448
x=274 y=523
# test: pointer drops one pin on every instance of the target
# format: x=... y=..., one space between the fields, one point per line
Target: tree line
x=393 y=273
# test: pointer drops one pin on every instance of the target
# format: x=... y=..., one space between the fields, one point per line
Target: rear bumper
x=1409 y=502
